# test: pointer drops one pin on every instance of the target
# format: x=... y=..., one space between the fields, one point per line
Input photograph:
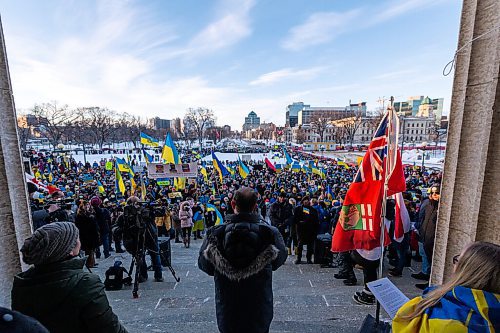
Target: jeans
x=402 y=250
x=154 y=254
x=426 y=269
x=105 y=245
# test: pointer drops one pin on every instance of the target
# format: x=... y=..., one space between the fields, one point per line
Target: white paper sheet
x=389 y=296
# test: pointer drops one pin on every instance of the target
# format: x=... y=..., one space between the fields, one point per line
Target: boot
x=289 y=250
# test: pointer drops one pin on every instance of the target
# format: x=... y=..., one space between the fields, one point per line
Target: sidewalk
x=306 y=298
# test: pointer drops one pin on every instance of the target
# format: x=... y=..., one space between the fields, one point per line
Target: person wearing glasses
x=467 y=302
x=427 y=229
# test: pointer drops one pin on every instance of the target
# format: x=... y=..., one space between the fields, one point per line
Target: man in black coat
x=306 y=223
x=241 y=255
x=281 y=216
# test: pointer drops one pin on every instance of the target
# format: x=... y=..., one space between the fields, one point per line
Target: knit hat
x=95 y=202
x=50 y=243
x=13 y=321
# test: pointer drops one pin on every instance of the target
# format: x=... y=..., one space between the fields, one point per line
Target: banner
x=175 y=195
x=159 y=170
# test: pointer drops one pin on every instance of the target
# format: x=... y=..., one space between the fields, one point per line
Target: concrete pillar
x=469 y=209
x=15 y=224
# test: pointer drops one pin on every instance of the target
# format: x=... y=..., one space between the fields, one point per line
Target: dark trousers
x=402 y=250
x=105 y=245
x=310 y=249
x=154 y=254
x=346 y=265
x=369 y=267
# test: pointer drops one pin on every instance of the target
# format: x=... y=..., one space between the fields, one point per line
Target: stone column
x=15 y=224
x=469 y=209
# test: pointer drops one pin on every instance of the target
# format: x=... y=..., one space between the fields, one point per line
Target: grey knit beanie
x=50 y=243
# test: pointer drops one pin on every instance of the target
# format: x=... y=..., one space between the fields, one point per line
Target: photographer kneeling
x=139 y=232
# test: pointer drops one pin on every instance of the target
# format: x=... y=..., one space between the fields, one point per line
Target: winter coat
x=427 y=230
x=89 y=232
x=103 y=218
x=186 y=215
x=241 y=255
x=306 y=224
x=65 y=298
x=281 y=214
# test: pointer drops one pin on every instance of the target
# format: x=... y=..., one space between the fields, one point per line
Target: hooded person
x=56 y=290
x=241 y=256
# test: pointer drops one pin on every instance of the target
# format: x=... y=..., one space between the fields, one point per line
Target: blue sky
x=158 y=58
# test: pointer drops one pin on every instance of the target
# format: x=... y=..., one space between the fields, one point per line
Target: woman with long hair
x=468 y=302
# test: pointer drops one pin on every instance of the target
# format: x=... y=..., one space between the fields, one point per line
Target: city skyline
x=158 y=59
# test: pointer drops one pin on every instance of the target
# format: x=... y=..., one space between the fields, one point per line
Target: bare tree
x=300 y=136
x=319 y=124
x=99 y=122
x=52 y=119
x=197 y=121
x=349 y=127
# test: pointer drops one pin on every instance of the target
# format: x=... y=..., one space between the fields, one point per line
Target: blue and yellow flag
x=221 y=169
x=148 y=158
x=460 y=310
x=243 y=169
x=123 y=165
x=231 y=170
x=287 y=156
x=342 y=163
x=169 y=153
x=143 y=190
x=100 y=187
x=119 y=184
x=203 y=171
x=149 y=140
x=296 y=167
x=212 y=208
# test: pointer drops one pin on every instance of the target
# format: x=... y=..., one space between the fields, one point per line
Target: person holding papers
x=467 y=302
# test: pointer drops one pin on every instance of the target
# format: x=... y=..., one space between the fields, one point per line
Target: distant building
x=411 y=107
x=161 y=123
x=307 y=114
x=292 y=113
x=251 y=121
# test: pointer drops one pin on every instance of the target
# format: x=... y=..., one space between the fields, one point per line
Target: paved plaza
x=306 y=298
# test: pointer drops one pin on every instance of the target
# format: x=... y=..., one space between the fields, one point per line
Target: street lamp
x=424 y=145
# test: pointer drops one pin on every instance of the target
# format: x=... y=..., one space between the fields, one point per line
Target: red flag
x=270 y=165
x=359 y=221
x=402 y=222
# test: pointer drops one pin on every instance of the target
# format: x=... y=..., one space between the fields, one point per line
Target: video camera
x=64 y=204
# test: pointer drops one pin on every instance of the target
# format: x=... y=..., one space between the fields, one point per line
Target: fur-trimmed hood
x=224 y=267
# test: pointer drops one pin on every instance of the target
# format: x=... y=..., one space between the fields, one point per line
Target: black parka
x=241 y=255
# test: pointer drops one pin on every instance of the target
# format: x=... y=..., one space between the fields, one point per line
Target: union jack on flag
x=359 y=222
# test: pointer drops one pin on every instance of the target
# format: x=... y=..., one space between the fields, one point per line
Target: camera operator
x=42 y=215
x=139 y=238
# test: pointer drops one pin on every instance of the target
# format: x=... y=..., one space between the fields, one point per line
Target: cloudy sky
x=158 y=58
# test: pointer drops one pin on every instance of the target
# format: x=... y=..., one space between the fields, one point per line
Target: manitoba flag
x=359 y=222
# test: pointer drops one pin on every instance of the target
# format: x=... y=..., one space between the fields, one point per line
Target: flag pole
x=384 y=202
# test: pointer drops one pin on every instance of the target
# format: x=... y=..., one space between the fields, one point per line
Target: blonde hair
x=477 y=268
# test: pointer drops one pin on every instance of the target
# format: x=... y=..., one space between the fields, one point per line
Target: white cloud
x=319 y=28
x=399 y=7
x=287 y=73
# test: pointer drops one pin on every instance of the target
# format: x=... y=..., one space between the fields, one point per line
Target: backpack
x=114 y=277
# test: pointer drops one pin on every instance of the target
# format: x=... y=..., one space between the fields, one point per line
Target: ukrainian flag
x=169 y=153
x=100 y=187
x=278 y=167
x=342 y=163
x=143 y=190
x=460 y=310
x=287 y=156
x=231 y=170
x=243 y=169
x=148 y=158
x=119 y=184
x=296 y=167
x=149 y=141
x=221 y=169
x=123 y=165
x=212 y=208
x=203 y=171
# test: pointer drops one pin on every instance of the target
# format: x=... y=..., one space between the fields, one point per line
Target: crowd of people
x=301 y=206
